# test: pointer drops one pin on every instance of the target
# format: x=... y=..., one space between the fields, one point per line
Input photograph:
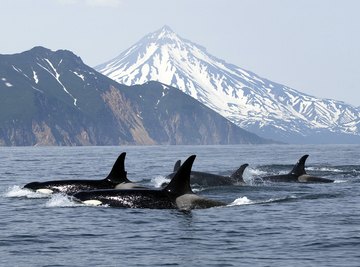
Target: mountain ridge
x=52 y=98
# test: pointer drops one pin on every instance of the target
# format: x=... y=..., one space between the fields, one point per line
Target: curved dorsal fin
x=180 y=183
x=118 y=173
x=299 y=168
x=238 y=174
x=177 y=166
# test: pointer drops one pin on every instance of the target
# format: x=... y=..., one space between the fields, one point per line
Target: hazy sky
x=312 y=46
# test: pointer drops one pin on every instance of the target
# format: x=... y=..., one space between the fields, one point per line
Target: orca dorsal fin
x=238 y=174
x=180 y=183
x=118 y=173
x=299 y=168
x=177 y=166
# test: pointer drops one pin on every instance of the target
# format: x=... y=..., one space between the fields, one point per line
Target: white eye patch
x=92 y=202
x=44 y=191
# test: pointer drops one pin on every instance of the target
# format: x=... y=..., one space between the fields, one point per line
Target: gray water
x=272 y=224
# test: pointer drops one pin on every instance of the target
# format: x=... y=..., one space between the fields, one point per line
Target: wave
x=324 y=169
x=246 y=201
x=277 y=200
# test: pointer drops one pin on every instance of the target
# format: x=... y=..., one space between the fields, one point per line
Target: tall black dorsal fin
x=180 y=183
x=238 y=174
x=299 y=168
x=118 y=173
x=177 y=166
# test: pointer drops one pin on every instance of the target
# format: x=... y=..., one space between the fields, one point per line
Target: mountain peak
x=166 y=29
x=39 y=51
x=42 y=49
x=164 y=35
x=61 y=54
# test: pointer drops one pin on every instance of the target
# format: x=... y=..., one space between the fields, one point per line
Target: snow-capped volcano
x=252 y=102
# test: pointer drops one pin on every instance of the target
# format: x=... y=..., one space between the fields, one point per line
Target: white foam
x=245 y=201
x=241 y=201
x=17 y=191
x=340 y=181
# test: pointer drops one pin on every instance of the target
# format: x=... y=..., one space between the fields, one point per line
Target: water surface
x=272 y=224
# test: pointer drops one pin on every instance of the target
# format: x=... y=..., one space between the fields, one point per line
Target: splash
x=61 y=200
x=252 y=176
x=197 y=189
x=255 y=172
x=158 y=181
x=17 y=191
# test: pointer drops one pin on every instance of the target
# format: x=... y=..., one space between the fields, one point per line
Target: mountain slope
x=53 y=98
x=254 y=103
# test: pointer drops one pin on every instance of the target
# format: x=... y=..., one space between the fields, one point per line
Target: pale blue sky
x=310 y=45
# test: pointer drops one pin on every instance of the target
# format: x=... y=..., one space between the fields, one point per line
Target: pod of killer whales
x=116 y=190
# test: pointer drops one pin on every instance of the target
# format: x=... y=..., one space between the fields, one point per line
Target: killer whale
x=297 y=174
x=176 y=195
x=209 y=179
x=117 y=178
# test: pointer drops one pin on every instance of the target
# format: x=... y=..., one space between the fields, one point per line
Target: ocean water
x=272 y=224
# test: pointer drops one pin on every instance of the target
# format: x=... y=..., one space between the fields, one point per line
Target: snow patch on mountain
x=35 y=77
x=54 y=73
x=81 y=76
